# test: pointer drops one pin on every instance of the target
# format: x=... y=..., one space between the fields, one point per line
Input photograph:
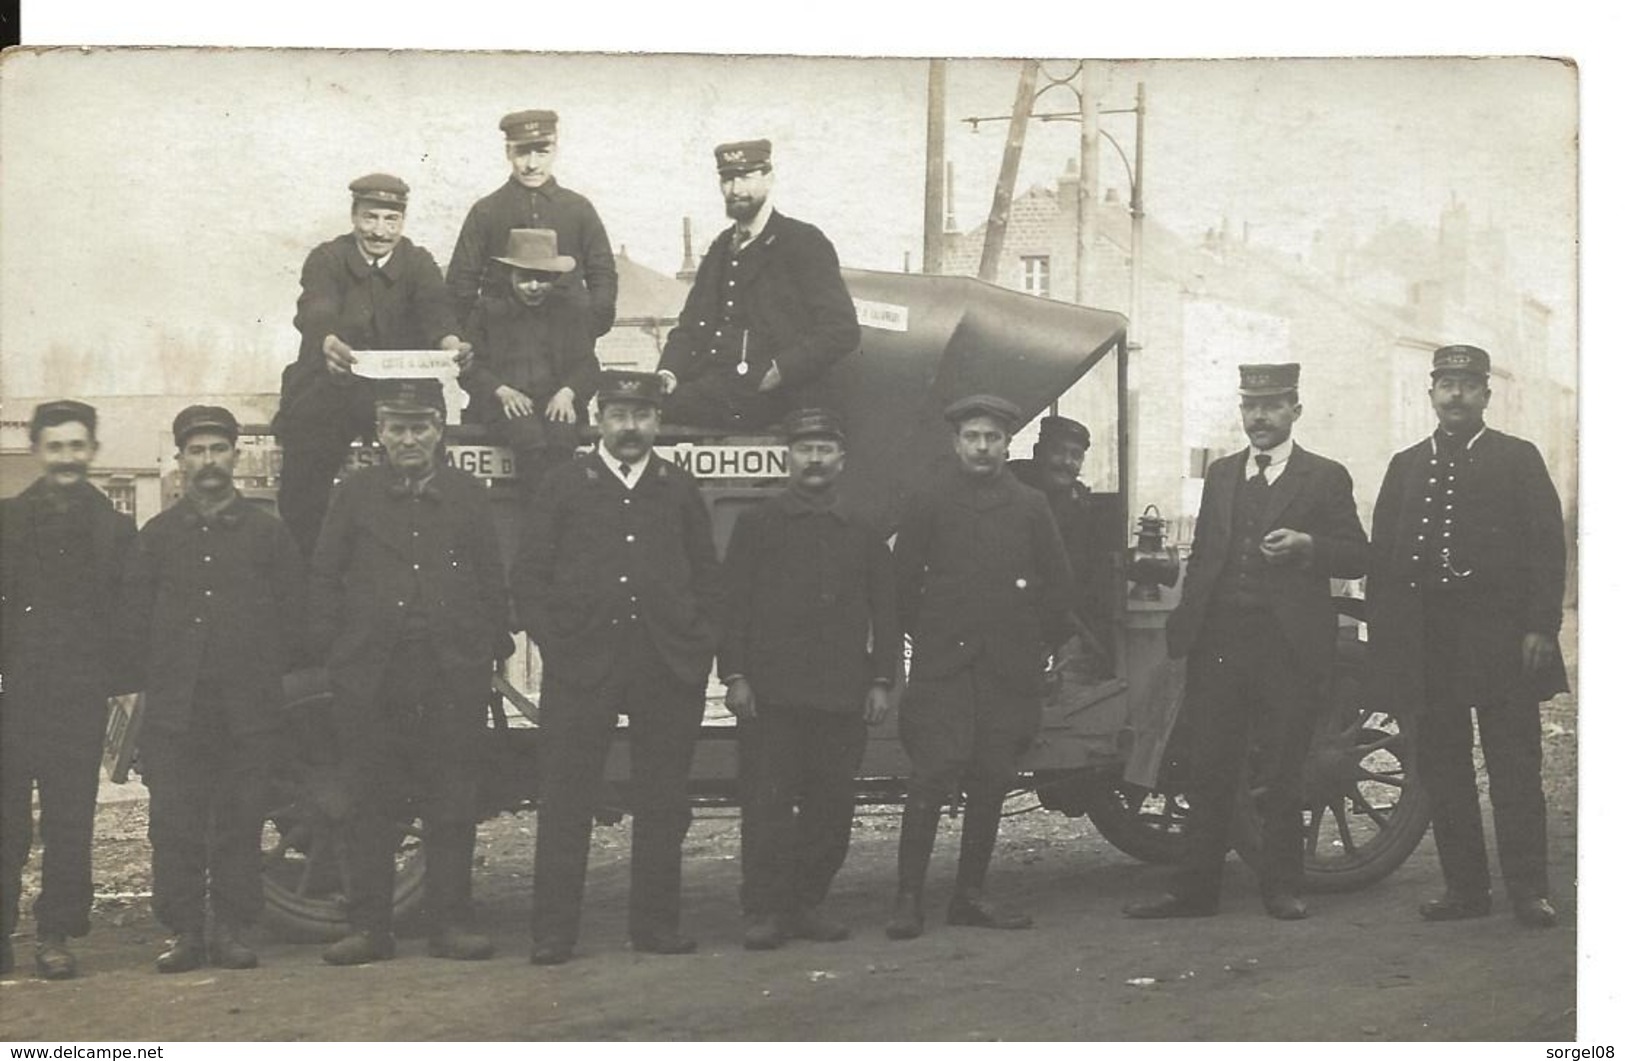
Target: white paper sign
x=884 y=315
x=416 y=364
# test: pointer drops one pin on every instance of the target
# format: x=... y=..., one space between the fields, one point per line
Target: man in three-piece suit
x=618 y=583
x=1257 y=623
x=1466 y=597
x=768 y=313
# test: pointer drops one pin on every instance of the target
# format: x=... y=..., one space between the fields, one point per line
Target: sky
x=175 y=210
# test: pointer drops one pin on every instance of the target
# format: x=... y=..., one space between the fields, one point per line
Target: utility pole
x=936 y=104
x=1088 y=176
x=998 y=217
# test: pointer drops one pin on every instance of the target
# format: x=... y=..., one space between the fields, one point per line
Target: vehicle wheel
x=303 y=861
x=1148 y=825
x=1364 y=810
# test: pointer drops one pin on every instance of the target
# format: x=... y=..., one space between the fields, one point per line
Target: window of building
x=122 y=493
x=1035 y=275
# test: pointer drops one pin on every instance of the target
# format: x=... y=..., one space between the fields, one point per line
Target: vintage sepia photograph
x=513 y=546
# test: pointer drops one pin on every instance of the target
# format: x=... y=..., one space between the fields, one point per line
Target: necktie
x=626 y=470
x=1263 y=462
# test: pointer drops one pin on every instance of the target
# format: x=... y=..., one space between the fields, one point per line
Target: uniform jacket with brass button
x=785 y=289
x=382 y=552
x=594 y=555
x=982 y=577
x=216 y=601
x=1507 y=531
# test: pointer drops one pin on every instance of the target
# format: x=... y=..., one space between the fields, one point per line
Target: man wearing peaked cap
x=213 y=608
x=809 y=651
x=533 y=369
x=533 y=199
x=768 y=313
x=1465 y=602
x=1257 y=625
x=982 y=587
x=63 y=550
x=618 y=584
x=369 y=289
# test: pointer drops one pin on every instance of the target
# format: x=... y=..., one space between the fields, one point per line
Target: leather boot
x=186 y=952
x=920 y=817
x=228 y=951
x=978 y=833
x=907 y=916
x=52 y=958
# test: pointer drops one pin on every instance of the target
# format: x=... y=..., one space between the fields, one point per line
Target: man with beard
x=618 y=584
x=369 y=289
x=214 y=606
x=1087 y=529
x=1276 y=524
x=533 y=368
x=532 y=198
x=1466 y=598
x=768 y=314
x=63 y=549
x=982 y=586
x=808 y=654
x=409 y=610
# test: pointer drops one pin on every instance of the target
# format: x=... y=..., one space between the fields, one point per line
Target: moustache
x=76 y=467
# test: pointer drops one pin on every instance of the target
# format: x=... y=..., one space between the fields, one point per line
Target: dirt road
x=1362 y=967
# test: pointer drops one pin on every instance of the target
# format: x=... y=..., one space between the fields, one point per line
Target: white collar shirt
x=1279 y=455
x=634 y=471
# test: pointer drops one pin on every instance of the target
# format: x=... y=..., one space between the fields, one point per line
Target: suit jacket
x=787 y=292
x=1313 y=495
x=46 y=640
x=216 y=602
x=1508 y=531
x=376 y=556
x=982 y=576
x=594 y=555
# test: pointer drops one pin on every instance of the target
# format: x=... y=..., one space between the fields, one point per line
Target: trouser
x=56 y=742
x=209 y=793
x=664 y=716
x=797 y=766
x=1509 y=731
x=315 y=428
x=720 y=400
x=963 y=733
x=539 y=445
x=1245 y=688
x=418 y=747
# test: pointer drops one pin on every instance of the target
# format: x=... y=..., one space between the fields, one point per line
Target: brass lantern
x=1152 y=563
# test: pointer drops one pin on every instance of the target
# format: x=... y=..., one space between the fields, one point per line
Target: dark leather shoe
x=1536 y=911
x=664 y=943
x=228 y=951
x=1453 y=907
x=359 y=948
x=186 y=952
x=1170 y=906
x=762 y=932
x=550 y=953
x=460 y=944
x=907 y=917
x=53 y=960
x=977 y=912
x=810 y=923
x=1285 y=907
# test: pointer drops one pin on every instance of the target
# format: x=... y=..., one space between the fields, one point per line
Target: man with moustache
x=409 y=610
x=618 y=584
x=768 y=313
x=533 y=370
x=808 y=653
x=533 y=198
x=1466 y=598
x=982 y=583
x=63 y=549
x=1257 y=623
x=214 y=607
x=369 y=289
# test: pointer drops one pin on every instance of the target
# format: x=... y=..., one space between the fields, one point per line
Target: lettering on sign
x=482 y=462
x=886 y=316
x=728 y=462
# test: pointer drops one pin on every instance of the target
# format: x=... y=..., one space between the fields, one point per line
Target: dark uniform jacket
x=60 y=635
x=1508 y=531
x=385 y=556
x=403 y=306
x=594 y=555
x=785 y=289
x=812 y=605
x=215 y=603
x=1313 y=495
x=536 y=349
x=570 y=214
x=1091 y=534
x=982 y=577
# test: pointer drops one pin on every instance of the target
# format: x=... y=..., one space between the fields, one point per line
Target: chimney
x=688 y=269
x=951 y=224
